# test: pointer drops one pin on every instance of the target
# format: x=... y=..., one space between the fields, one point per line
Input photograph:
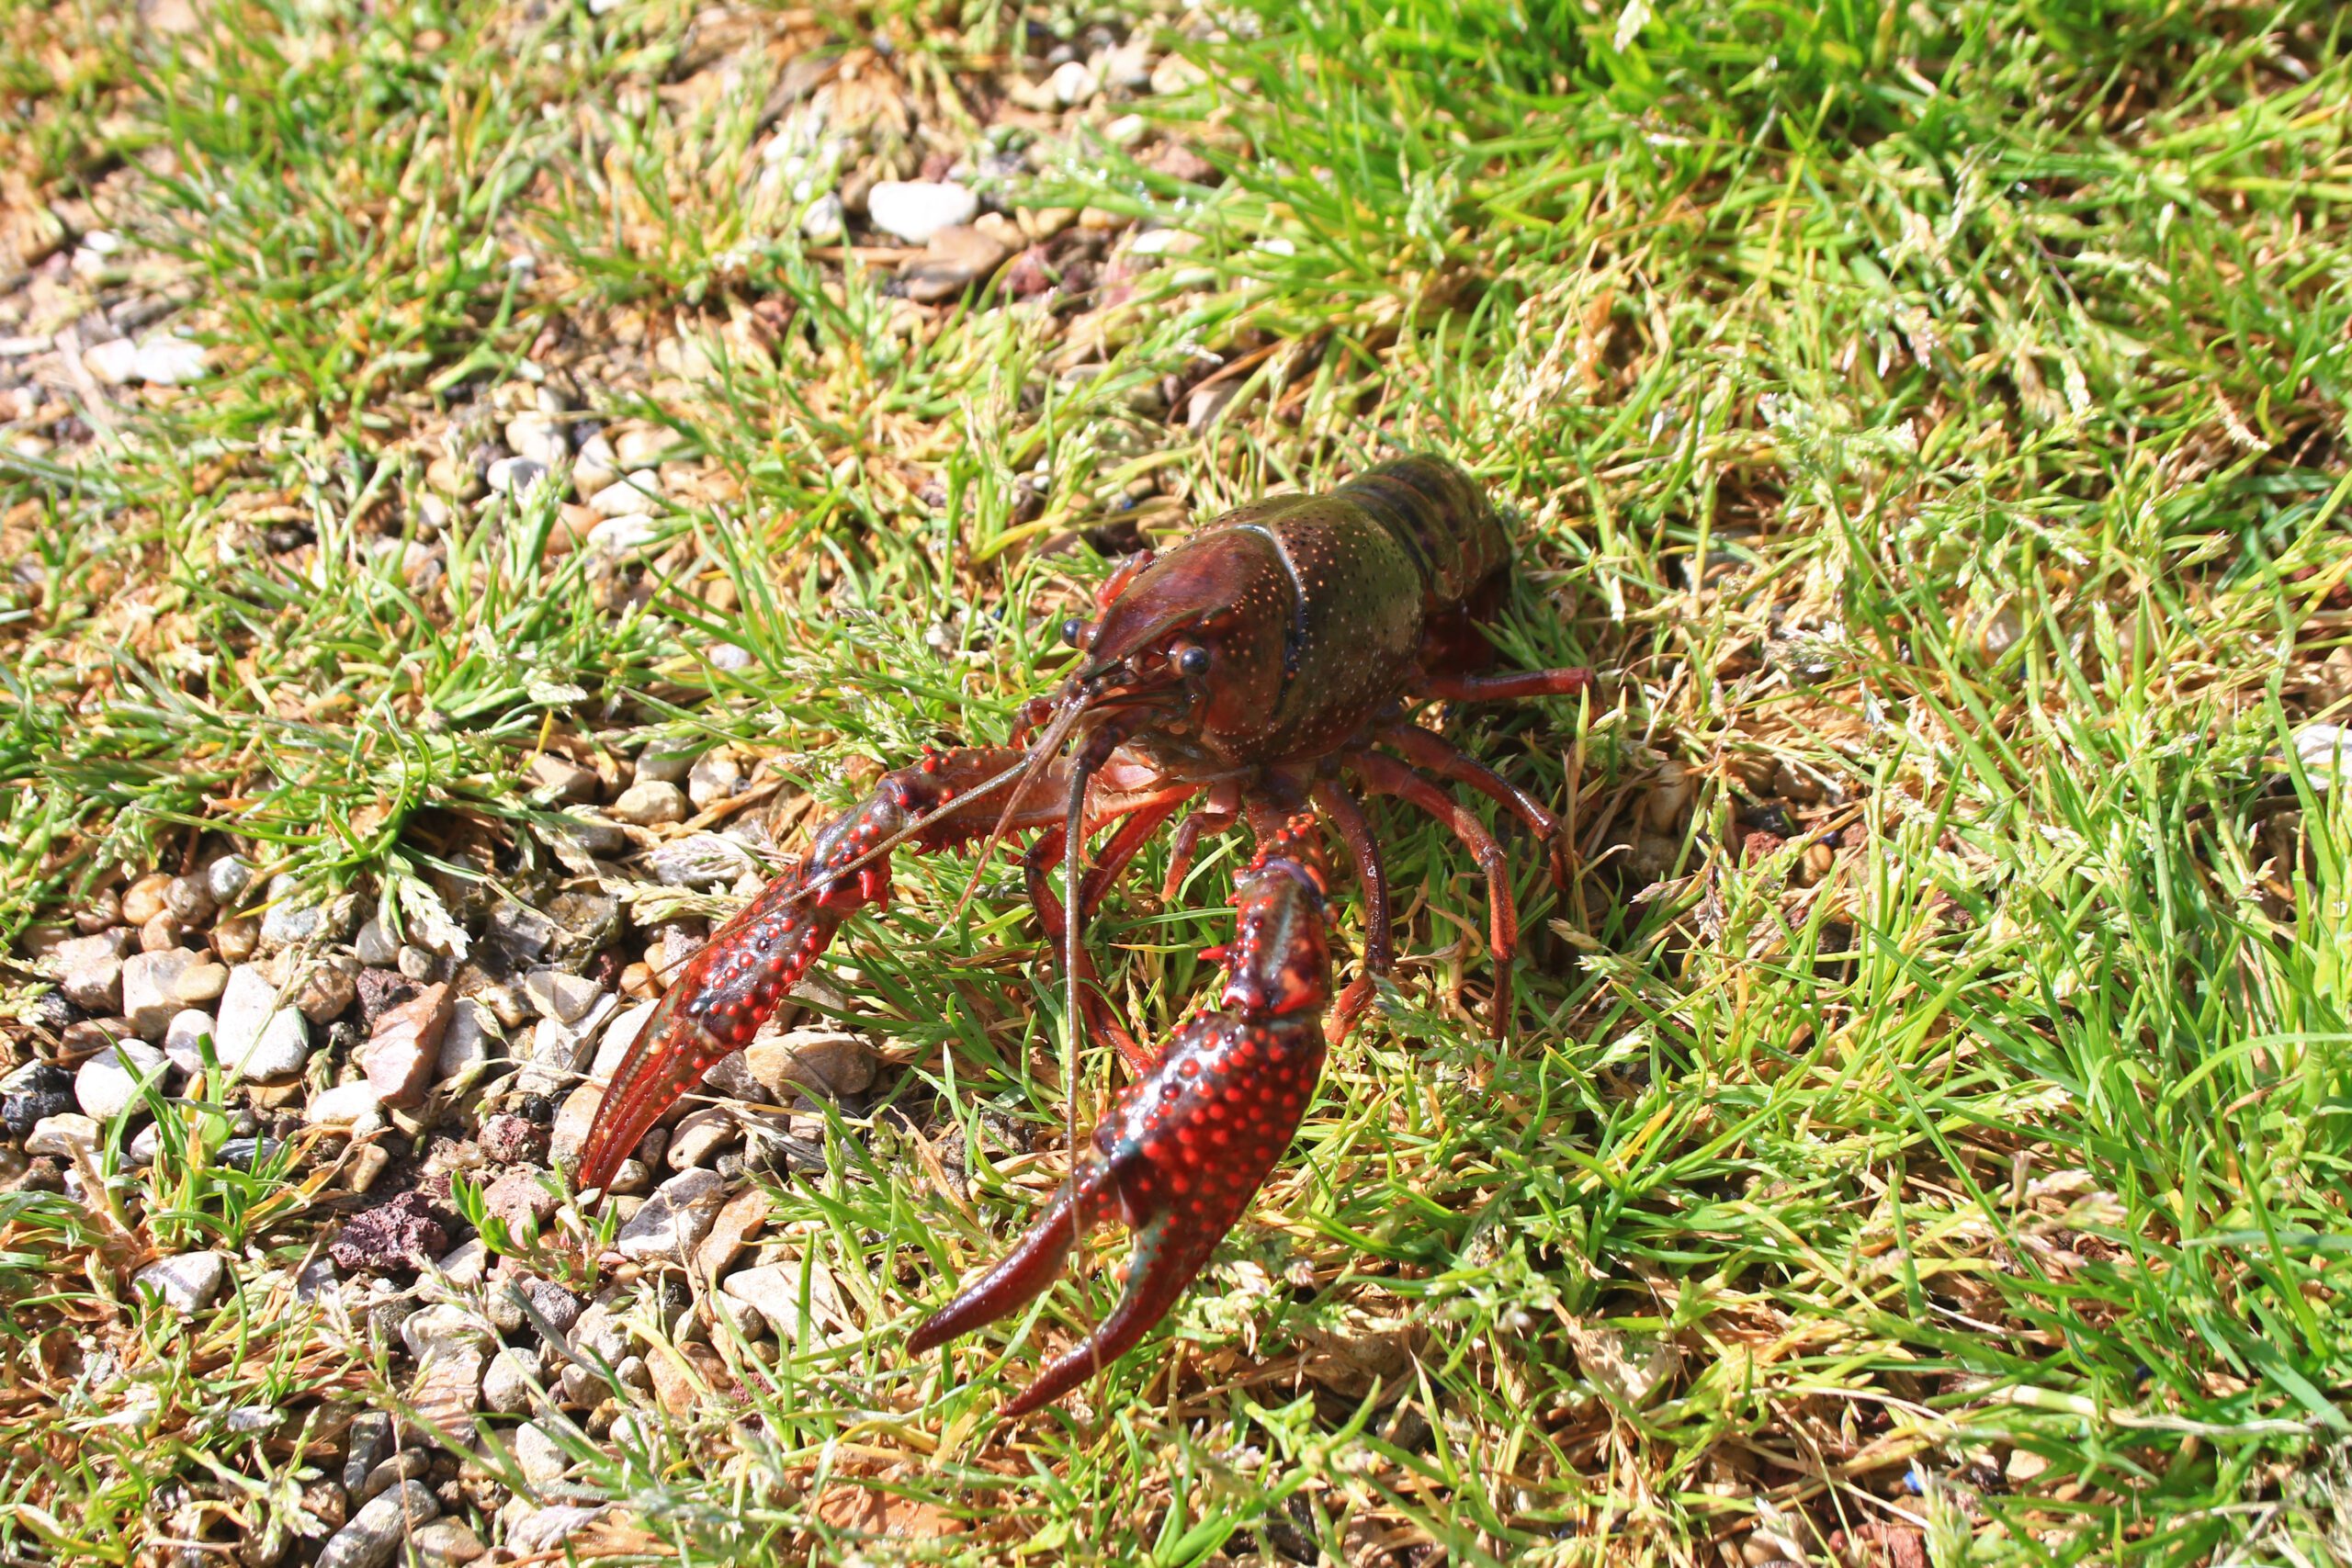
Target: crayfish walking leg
x=1188 y=1144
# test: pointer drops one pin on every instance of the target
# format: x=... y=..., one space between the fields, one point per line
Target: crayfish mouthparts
x=1270 y=660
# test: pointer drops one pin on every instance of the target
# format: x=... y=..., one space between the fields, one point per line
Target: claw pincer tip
x=1187 y=1146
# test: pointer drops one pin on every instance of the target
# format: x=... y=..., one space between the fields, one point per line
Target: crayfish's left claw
x=1187 y=1146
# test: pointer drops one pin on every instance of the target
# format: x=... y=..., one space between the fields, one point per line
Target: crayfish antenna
x=1040 y=756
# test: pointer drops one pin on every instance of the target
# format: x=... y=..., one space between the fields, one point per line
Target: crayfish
x=1262 y=670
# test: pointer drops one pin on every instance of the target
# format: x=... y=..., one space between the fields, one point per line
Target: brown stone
x=956 y=258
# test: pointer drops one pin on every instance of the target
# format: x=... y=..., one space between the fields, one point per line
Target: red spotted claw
x=1188 y=1144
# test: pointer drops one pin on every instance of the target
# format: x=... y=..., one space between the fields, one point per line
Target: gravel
x=32 y=1094
x=636 y=496
x=506 y=1382
x=402 y=1234
x=89 y=969
x=829 y=1062
x=699 y=860
x=108 y=1082
x=714 y=776
x=405 y=1046
x=374 y=1535
x=916 y=209
x=182 y=1035
x=542 y=1459
x=156 y=986
x=354 y=1108
x=255 y=1037
x=559 y=996
x=675 y=1219
x=650 y=804
x=227 y=878
x=464 y=1043
x=374 y=945
x=188 y=1282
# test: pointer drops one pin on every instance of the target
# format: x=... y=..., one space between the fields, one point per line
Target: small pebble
x=64 y=1135
x=190 y=898
x=182 y=1036
x=677 y=1217
x=373 y=1537
x=167 y=360
x=89 y=970
x=227 y=878
x=956 y=258
x=916 y=209
x=447 y=1543
x=366 y=1166
x=560 y=778
x=108 y=1082
x=595 y=468
x=408 y=1466
x=636 y=496
x=188 y=1283
x=1073 y=83
x=354 y=1108
x=152 y=987
x=827 y=220
x=236 y=938
x=506 y=1384
x=649 y=803
x=374 y=945
x=665 y=767
x=826 y=1061
x=540 y=1456
x=103 y=911
x=32 y=1094
x=256 y=1037
x=143 y=900
x=404 y=1046
x=536 y=438
x=566 y=997
x=464 y=1043
x=714 y=776
x=637 y=447
x=327 y=989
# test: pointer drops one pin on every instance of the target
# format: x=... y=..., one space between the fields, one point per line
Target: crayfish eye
x=1073 y=631
x=1193 y=659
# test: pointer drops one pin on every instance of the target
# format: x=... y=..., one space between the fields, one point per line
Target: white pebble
x=108 y=1082
x=168 y=361
x=916 y=209
x=1073 y=82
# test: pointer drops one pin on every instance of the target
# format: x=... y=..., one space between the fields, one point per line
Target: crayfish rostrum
x=1262 y=670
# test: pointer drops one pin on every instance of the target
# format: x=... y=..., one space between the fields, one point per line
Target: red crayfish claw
x=1187 y=1146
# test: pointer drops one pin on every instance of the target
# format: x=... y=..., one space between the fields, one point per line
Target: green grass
x=1930 y=419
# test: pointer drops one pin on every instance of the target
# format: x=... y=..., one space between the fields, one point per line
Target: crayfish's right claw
x=1188 y=1144
x=1166 y=1257
x=1021 y=1275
